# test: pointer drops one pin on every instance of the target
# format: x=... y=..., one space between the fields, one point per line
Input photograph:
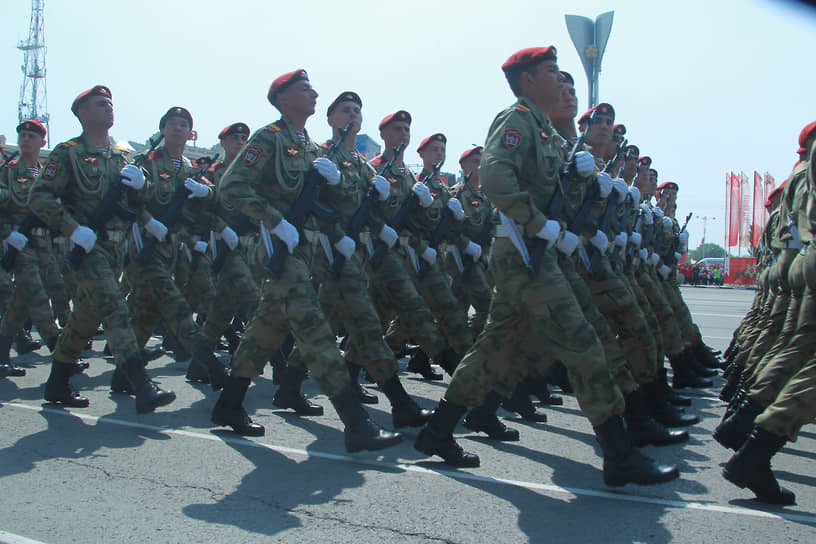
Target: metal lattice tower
x=33 y=96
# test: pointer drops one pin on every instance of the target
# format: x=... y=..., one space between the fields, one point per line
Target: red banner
x=745 y=220
x=740 y=271
x=759 y=210
x=770 y=185
x=734 y=211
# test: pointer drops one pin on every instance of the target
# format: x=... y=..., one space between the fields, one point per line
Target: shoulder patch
x=50 y=170
x=522 y=107
x=511 y=138
x=12 y=164
x=251 y=155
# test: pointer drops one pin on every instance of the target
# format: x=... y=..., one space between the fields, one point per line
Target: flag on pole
x=734 y=211
x=745 y=209
x=758 y=222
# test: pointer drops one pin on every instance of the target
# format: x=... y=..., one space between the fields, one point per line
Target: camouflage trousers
x=473 y=290
x=98 y=299
x=289 y=303
x=651 y=318
x=235 y=292
x=51 y=274
x=394 y=294
x=536 y=321
x=29 y=296
x=619 y=306
x=154 y=297
x=6 y=290
x=794 y=406
x=194 y=277
x=347 y=303
x=776 y=308
x=669 y=330
x=615 y=359
x=689 y=331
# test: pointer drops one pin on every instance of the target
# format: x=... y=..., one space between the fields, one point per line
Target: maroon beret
x=619 y=130
x=469 y=152
x=603 y=109
x=401 y=115
x=668 y=185
x=775 y=193
x=283 y=82
x=438 y=137
x=645 y=159
x=653 y=171
x=529 y=57
x=98 y=90
x=633 y=148
x=804 y=135
x=346 y=96
x=235 y=128
x=32 y=125
x=176 y=111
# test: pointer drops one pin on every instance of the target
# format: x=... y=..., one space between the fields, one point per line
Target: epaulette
x=70 y=143
x=216 y=166
x=326 y=145
x=13 y=163
x=157 y=154
x=522 y=107
x=457 y=187
x=377 y=161
x=277 y=126
x=187 y=162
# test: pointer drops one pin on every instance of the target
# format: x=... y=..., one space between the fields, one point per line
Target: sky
x=703 y=87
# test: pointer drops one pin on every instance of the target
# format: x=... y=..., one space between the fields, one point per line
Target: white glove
x=643 y=254
x=647 y=214
x=635 y=239
x=621 y=239
x=684 y=237
x=605 y=183
x=197 y=190
x=389 y=236
x=620 y=187
x=327 y=169
x=654 y=258
x=429 y=255
x=635 y=192
x=584 y=163
x=345 y=246
x=132 y=176
x=456 y=207
x=288 y=234
x=549 y=231
x=230 y=237
x=600 y=241
x=157 y=229
x=678 y=256
x=474 y=250
x=84 y=238
x=567 y=243
x=17 y=240
x=423 y=194
x=200 y=246
x=667 y=222
x=664 y=271
x=382 y=187
x=658 y=212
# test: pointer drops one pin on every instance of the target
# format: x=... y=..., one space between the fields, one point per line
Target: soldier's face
x=601 y=132
x=567 y=105
x=298 y=99
x=433 y=153
x=396 y=133
x=471 y=164
x=97 y=111
x=176 y=131
x=345 y=113
x=29 y=141
x=232 y=143
x=544 y=83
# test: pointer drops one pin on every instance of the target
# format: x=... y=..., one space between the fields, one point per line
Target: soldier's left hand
x=584 y=163
x=327 y=169
x=600 y=241
x=429 y=255
x=456 y=207
x=423 y=194
x=200 y=246
x=132 y=176
x=17 y=240
x=230 y=237
x=474 y=250
x=197 y=190
x=345 y=246
x=664 y=271
x=667 y=222
x=604 y=184
x=635 y=239
x=620 y=187
x=382 y=187
x=567 y=243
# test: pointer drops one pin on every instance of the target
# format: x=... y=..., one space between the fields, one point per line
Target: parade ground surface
x=106 y=474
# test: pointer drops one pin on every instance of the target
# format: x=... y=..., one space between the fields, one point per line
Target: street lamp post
x=590 y=39
x=705 y=219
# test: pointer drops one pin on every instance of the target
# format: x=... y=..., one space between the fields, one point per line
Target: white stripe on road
x=11 y=538
x=574 y=491
x=730 y=316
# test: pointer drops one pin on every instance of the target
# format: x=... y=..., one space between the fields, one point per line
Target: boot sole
x=742 y=484
x=164 y=400
x=376 y=445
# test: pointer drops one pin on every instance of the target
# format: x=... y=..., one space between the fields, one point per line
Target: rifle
x=305 y=204
x=171 y=214
x=400 y=220
x=362 y=216
x=9 y=158
x=29 y=223
x=685 y=224
x=618 y=150
x=440 y=233
x=607 y=216
x=108 y=207
x=242 y=225
x=556 y=203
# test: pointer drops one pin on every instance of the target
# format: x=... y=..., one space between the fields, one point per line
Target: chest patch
x=252 y=154
x=165 y=176
x=50 y=170
x=475 y=203
x=292 y=151
x=23 y=179
x=93 y=160
x=392 y=181
x=511 y=138
x=544 y=136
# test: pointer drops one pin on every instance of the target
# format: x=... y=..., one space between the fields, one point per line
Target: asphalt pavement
x=107 y=474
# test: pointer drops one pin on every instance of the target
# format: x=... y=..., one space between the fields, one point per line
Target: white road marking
x=11 y=538
x=459 y=475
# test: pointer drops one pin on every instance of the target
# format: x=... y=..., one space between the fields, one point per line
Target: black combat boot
x=706 y=356
x=289 y=395
x=58 y=387
x=197 y=372
x=697 y=366
x=521 y=404
x=559 y=377
x=733 y=431
x=233 y=338
x=684 y=375
x=404 y=411
x=420 y=363
x=623 y=463
x=151 y=354
x=539 y=388
x=732 y=383
x=751 y=467
x=662 y=410
x=670 y=394
x=171 y=343
x=7 y=368
x=643 y=429
x=448 y=360
x=361 y=433
x=216 y=372
x=148 y=395
x=436 y=438
x=484 y=419
x=120 y=383
x=229 y=410
x=23 y=343
x=364 y=395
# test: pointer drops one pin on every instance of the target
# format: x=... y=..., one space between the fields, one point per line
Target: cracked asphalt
x=107 y=474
